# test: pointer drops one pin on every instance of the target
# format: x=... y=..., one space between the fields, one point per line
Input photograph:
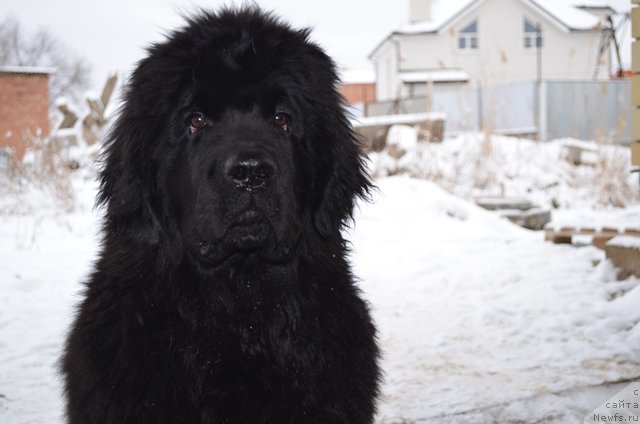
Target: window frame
x=531 y=37
x=469 y=37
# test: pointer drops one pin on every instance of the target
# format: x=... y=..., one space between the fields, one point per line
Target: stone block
x=624 y=252
x=536 y=219
x=502 y=203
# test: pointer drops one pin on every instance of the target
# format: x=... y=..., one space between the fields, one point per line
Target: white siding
x=386 y=71
x=501 y=56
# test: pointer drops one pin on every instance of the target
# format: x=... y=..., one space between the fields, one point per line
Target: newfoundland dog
x=222 y=292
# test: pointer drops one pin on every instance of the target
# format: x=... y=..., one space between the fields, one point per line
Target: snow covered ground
x=473 y=164
x=480 y=321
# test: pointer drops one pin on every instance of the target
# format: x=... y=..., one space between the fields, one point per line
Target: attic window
x=468 y=37
x=532 y=35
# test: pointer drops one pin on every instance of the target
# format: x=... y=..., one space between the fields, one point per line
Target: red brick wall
x=359 y=93
x=24 y=107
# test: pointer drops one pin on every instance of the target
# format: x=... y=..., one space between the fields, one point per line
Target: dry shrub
x=42 y=178
x=611 y=183
x=484 y=164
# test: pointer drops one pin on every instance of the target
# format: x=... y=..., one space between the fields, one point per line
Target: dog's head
x=232 y=140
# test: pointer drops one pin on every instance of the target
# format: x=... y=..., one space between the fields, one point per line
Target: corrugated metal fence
x=588 y=110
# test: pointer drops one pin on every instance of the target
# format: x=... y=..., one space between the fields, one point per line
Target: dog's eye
x=281 y=120
x=196 y=123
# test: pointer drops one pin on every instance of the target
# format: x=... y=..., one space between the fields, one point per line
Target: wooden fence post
x=635 y=83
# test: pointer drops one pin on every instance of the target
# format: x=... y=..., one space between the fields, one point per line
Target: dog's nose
x=250 y=170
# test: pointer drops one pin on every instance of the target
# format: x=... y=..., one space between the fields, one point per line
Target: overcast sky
x=112 y=34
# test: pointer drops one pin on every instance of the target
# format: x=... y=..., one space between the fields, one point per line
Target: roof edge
x=42 y=70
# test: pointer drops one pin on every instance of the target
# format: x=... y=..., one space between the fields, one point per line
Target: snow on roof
x=595 y=4
x=404 y=119
x=563 y=12
x=568 y=15
x=629 y=242
x=435 y=75
x=352 y=76
x=442 y=12
x=26 y=70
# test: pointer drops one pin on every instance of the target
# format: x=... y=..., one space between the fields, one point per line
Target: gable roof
x=445 y=13
x=568 y=15
x=565 y=14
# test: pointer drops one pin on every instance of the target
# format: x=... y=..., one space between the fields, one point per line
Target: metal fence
x=588 y=110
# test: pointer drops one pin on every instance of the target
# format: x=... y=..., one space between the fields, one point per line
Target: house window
x=468 y=37
x=532 y=35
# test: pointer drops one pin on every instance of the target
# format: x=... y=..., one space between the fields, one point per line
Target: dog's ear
x=342 y=175
x=126 y=184
x=129 y=187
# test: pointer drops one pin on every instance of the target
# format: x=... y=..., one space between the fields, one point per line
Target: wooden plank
x=548 y=234
x=600 y=240
x=107 y=91
x=560 y=238
x=635 y=153
x=604 y=233
x=635 y=22
x=635 y=56
x=635 y=124
x=635 y=90
x=610 y=230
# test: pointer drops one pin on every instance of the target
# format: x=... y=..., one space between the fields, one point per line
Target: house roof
x=351 y=76
x=25 y=70
x=447 y=12
x=435 y=75
x=594 y=4
x=564 y=13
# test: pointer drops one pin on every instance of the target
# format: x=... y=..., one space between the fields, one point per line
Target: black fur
x=222 y=293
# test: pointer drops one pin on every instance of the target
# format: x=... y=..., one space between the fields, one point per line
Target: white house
x=488 y=42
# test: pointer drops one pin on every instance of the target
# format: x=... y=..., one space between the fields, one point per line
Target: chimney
x=419 y=10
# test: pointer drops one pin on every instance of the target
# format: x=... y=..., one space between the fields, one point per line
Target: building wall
x=501 y=56
x=24 y=108
x=358 y=93
x=386 y=67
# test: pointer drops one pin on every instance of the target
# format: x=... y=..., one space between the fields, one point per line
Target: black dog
x=222 y=293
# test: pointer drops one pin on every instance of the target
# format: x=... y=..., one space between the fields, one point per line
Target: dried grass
x=611 y=184
x=45 y=167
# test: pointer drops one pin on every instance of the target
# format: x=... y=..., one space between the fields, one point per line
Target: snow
x=357 y=76
x=631 y=242
x=409 y=118
x=435 y=75
x=479 y=321
x=26 y=70
x=569 y=15
x=441 y=12
x=597 y=4
x=476 y=313
x=598 y=219
x=473 y=165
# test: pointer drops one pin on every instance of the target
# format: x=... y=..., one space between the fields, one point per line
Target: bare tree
x=19 y=48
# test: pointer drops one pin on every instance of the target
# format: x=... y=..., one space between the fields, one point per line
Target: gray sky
x=112 y=34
